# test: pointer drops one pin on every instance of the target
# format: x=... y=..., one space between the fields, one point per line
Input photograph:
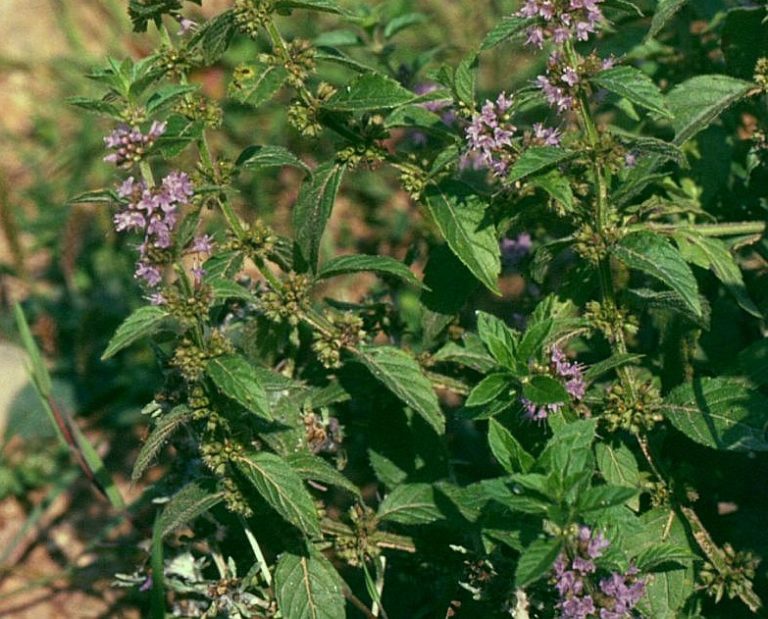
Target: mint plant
x=434 y=448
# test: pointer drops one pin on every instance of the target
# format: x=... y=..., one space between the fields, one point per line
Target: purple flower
x=149 y=273
x=186 y=25
x=514 y=250
x=630 y=159
x=562 y=20
x=490 y=134
x=130 y=144
x=548 y=136
x=156 y=298
x=197 y=273
x=202 y=244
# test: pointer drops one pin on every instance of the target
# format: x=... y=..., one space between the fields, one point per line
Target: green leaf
x=37 y=368
x=602 y=497
x=499 y=339
x=700 y=100
x=223 y=265
x=403 y=376
x=312 y=210
x=224 y=289
x=98 y=106
x=461 y=216
x=191 y=501
x=325 y=6
x=309 y=466
x=542 y=389
x=618 y=466
x=719 y=413
x=282 y=488
x=257 y=157
x=613 y=362
x=536 y=561
x=401 y=22
x=343 y=265
x=235 y=378
x=659 y=555
x=533 y=341
x=556 y=185
x=633 y=85
x=214 y=36
x=537 y=159
x=712 y=253
x=665 y=10
x=308 y=587
x=164 y=428
x=488 y=389
x=367 y=92
x=470 y=355
x=144 y=321
x=464 y=80
x=507 y=449
x=652 y=254
x=506 y=29
x=753 y=362
x=166 y=95
x=410 y=504
x=256 y=83
x=569 y=452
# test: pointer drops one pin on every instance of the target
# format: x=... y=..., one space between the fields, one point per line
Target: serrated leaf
x=308 y=587
x=310 y=466
x=167 y=95
x=325 y=6
x=659 y=555
x=224 y=289
x=534 y=338
x=619 y=467
x=98 y=106
x=410 y=504
x=753 y=362
x=144 y=321
x=98 y=196
x=506 y=29
x=224 y=264
x=542 y=389
x=652 y=254
x=603 y=497
x=461 y=216
x=700 y=100
x=312 y=210
x=214 y=36
x=282 y=488
x=403 y=376
x=536 y=561
x=633 y=85
x=665 y=10
x=191 y=501
x=256 y=157
x=464 y=80
x=556 y=185
x=719 y=413
x=714 y=254
x=343 y=265
x=235 y=378
x=613 y=362
x=367 y=92
x=537 y=159
x=164 y=428
x=488 y=389
x=469 y=355
x=507 y=449
x=659 y=148
x=257 y=83
x=401 y=22
x=499 y=339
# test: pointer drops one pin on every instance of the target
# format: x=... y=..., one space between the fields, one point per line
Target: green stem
x=736 y=228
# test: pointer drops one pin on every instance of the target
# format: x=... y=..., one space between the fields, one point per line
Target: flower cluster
x=581 y=597
x=152 y=211
x=570 y=372
x=490 y=133
x=130 y=144
x=561 y=20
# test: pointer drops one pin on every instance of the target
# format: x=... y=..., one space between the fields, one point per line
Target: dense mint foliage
x=539 y=403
